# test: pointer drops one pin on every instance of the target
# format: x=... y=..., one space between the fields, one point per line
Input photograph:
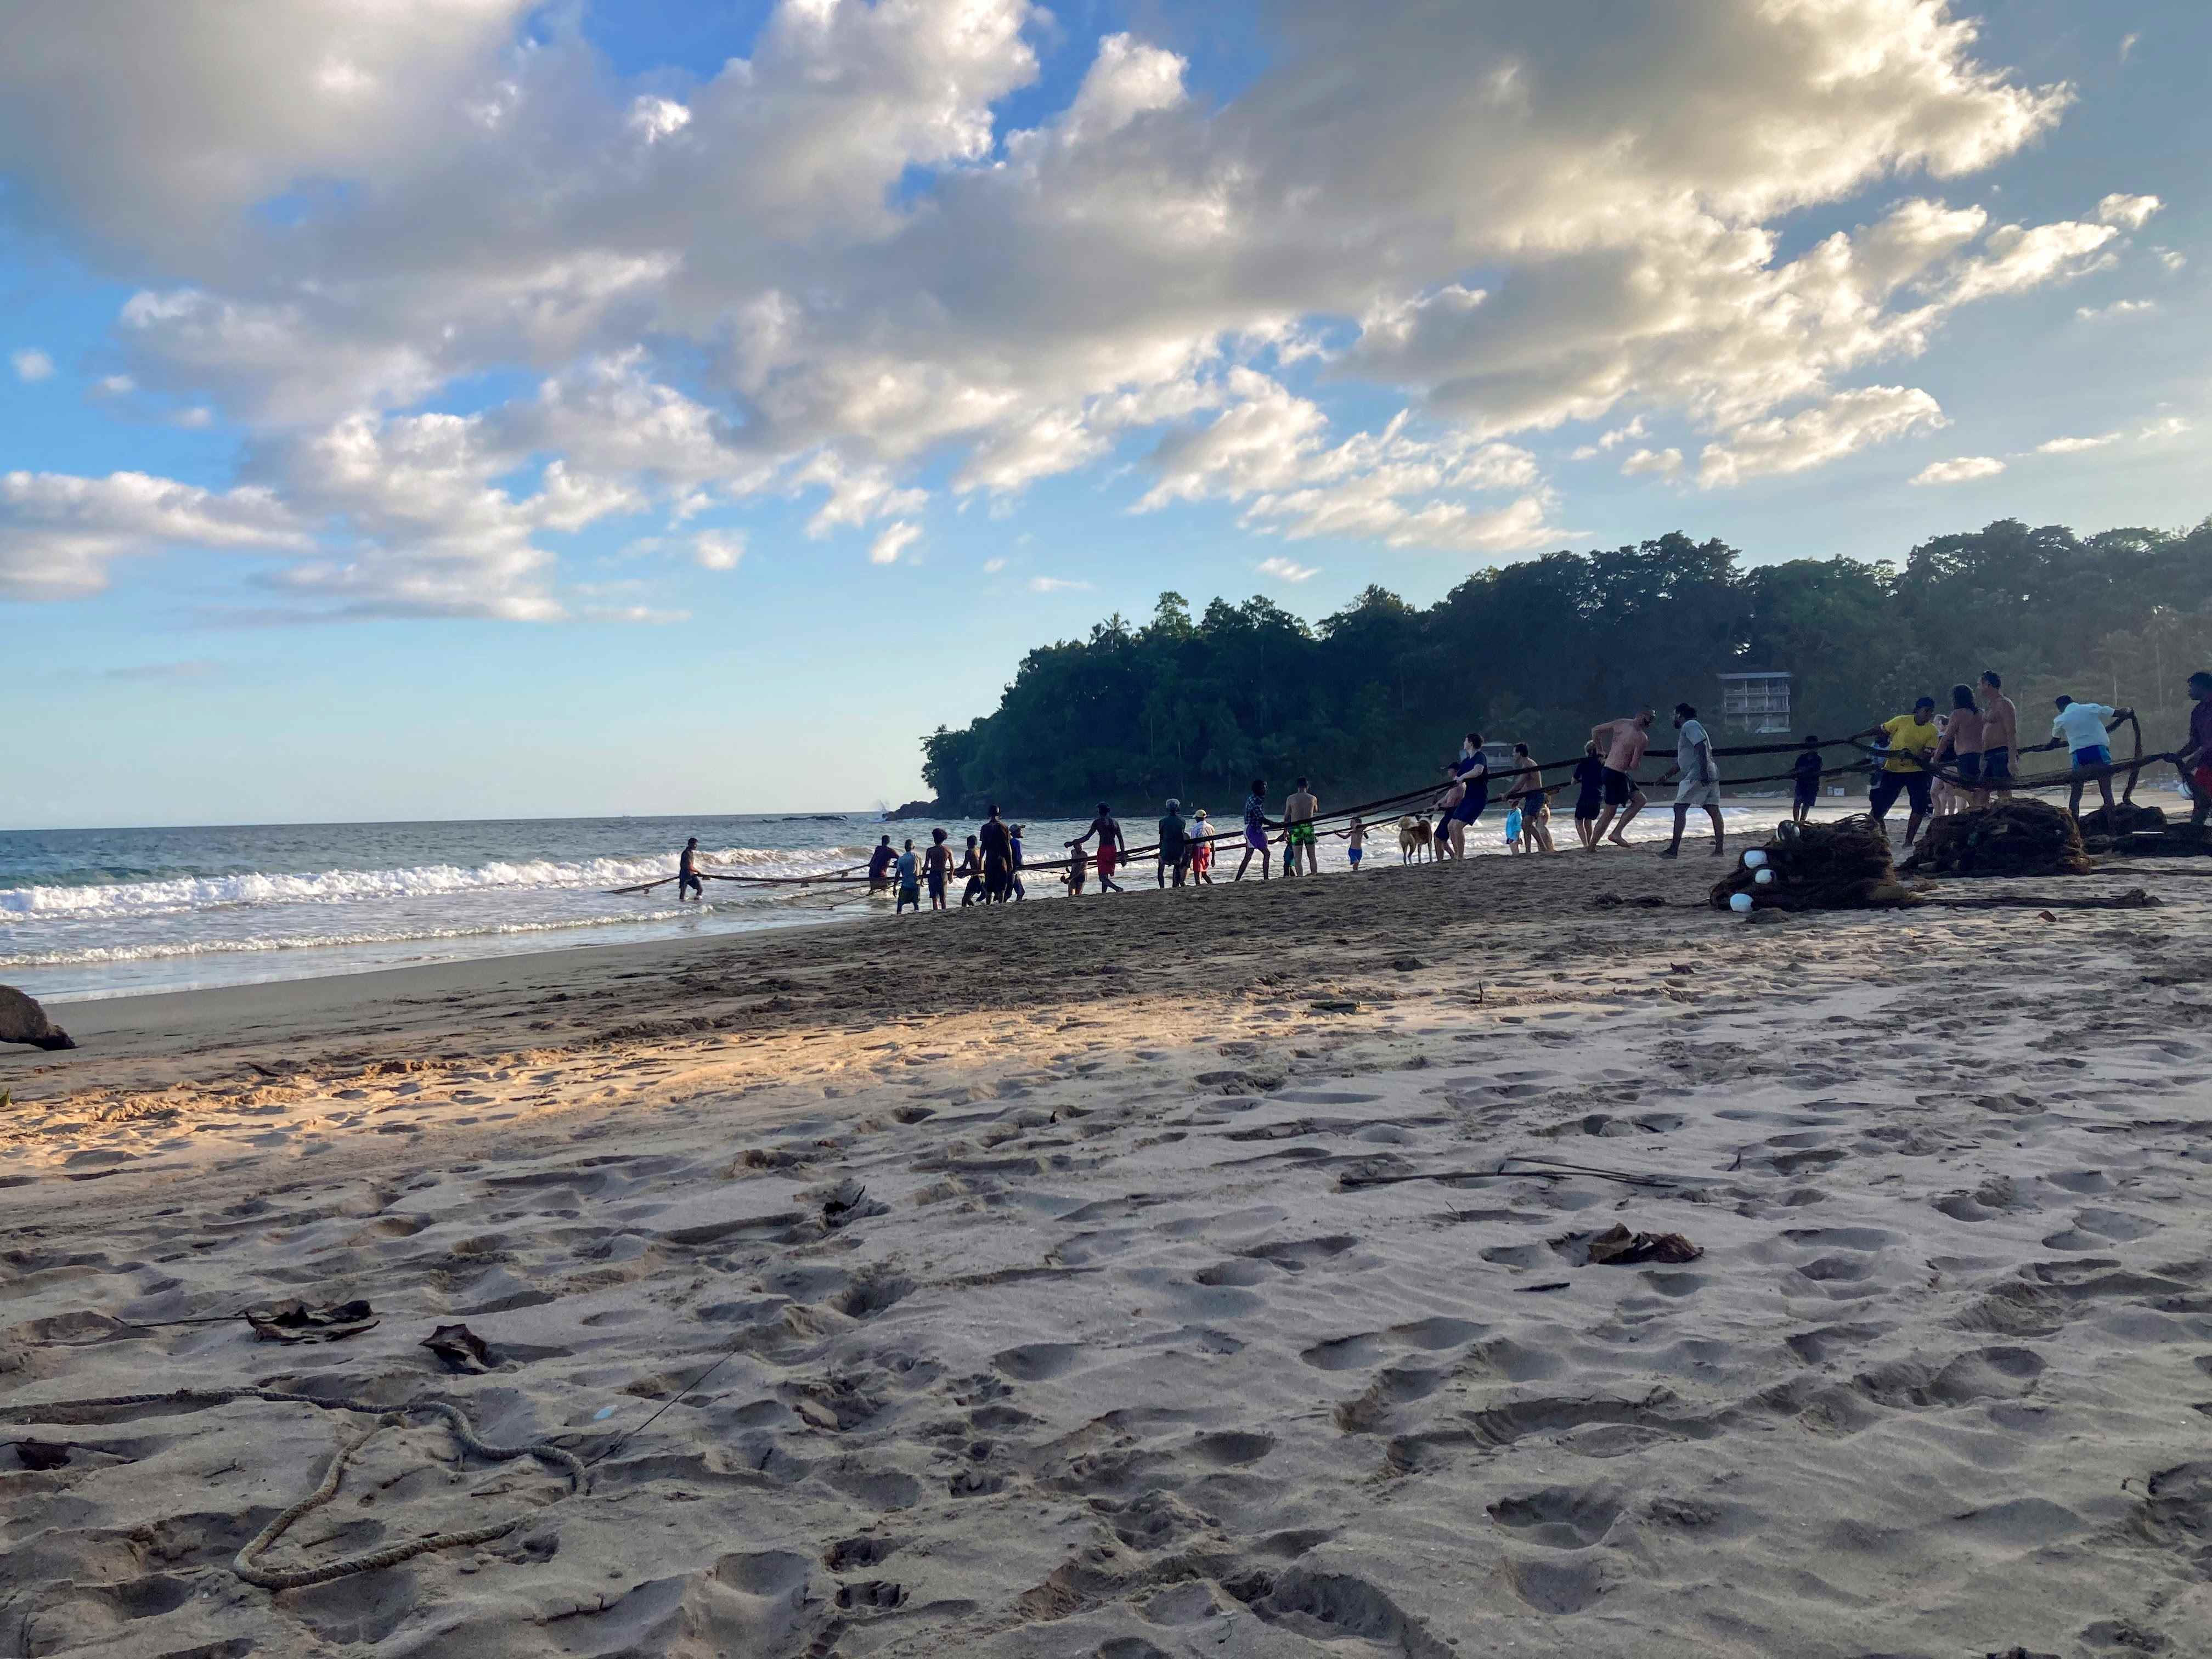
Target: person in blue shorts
x=2081 y=729
x=1355 y=841
x=1513 y=829
x=908 y=865
x=1472 y=772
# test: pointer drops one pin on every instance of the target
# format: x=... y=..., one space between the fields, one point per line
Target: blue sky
x=492 y=408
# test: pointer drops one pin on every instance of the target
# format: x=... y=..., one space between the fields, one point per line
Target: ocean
x=98 y=913
x=94 y=913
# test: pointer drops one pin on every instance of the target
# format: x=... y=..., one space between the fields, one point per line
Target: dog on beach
x=1413 y=838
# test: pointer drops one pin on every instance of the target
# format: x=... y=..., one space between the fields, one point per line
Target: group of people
x=1946 y=763
x=992 y=867
x=1939 y=763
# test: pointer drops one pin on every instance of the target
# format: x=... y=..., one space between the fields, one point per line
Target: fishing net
x=2013 y=837
x=1842 y=866
x=2124 y=819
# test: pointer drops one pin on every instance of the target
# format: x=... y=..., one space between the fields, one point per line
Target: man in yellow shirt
x=1912 y=740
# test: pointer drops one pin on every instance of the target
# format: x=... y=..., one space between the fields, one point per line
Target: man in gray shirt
x=1701 y=779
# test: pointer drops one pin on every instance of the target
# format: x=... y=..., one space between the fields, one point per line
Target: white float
x=1764 y=877
x=1740 y=903
x=1754 y=859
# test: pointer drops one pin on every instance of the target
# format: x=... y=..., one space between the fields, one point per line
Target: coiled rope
x=248 y=1562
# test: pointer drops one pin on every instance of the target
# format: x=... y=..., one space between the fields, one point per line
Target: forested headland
x=1377 y=695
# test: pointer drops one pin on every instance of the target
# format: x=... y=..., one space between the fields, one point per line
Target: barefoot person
x=1964 y=734
x=1449 y=839
x=2081 y=729
x=687 y=873
x=1471 y=771
x=1355 y=841
x=998 y=843
x=908 y=866
x=1255 y=830
x=1174 y=847
x=1078 y=867
x=880 y=866
x=1528 y=794
x=1298 y=812
x=2000 y=737
x=1202 y=849
x=1108 y=828
x=1701 y=779
x=1622 y=742
x=971 y=866
x=1911 y=741
x=1589 y=795
x=2197 y=753
x=937 y=868
x=1805 y=780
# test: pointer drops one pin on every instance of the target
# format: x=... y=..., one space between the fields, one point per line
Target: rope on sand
x=246 y=1563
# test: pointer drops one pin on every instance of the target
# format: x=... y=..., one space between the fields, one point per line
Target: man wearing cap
x=1174 y=845
x=1912 y=740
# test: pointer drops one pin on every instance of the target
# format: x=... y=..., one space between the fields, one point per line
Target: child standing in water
x=1355 y=842
x=909 y=881
x=1078 y=866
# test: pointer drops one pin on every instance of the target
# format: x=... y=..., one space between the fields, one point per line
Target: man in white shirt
x=1701 y=779
x=2081 y=729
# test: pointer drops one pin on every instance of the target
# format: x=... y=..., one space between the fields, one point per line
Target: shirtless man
x=1622 y=743
x=687 y=873
x=1298 y=812
x=937 y=868
x=2000 y=738
x=1108 y=828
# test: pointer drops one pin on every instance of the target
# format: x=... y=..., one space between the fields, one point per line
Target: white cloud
x=2130 y=212
x=2075 y=446
x=893 y=540
x=1963 y=469
x=59 y=534
x=2171 y=425
x=887 y=280
x=1665 y=463
x=1847 y=421
x=2128 y=45
x=1057 y=585
x=993 y=567
x=2172 y=258
x=2117 y=308
x=717 y=549
x=31 y=364
x=1287 y=570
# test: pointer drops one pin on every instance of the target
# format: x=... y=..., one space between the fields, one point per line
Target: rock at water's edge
x=22 y=1020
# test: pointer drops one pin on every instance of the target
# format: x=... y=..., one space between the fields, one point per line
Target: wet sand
x=1054 y=1327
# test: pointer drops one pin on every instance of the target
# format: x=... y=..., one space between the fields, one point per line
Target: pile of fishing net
x=2122 y=818
x=2015 y=836
x=1842 y=865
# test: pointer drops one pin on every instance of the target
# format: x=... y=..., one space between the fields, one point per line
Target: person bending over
x=2081 y=729
x=1912 y=740
x=1622 y=742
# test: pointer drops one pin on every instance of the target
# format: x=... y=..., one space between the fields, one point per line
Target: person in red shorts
x=1108 y=828
x=2196 y=754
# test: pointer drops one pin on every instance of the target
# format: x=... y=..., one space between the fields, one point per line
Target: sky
x=483 y=408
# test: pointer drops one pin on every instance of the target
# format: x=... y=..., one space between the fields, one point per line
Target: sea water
x=91 y=913
x=95 y=913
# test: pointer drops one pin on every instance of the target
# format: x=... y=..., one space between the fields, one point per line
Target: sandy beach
x=1058 y=1317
